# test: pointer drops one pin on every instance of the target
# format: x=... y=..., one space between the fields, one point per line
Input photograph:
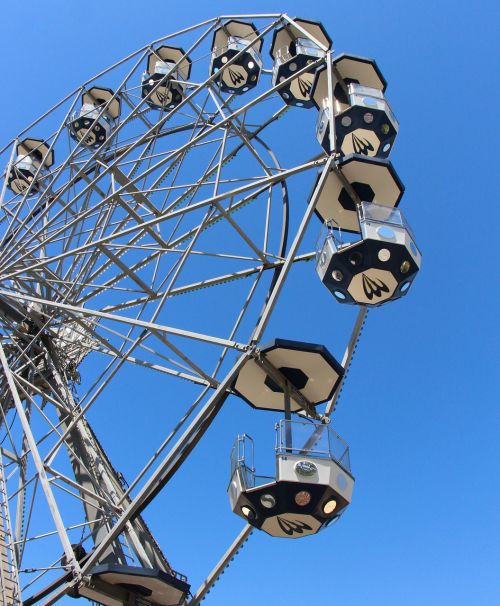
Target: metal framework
x=161 y=253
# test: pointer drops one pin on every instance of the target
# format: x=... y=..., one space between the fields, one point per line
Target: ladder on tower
x=10 y=594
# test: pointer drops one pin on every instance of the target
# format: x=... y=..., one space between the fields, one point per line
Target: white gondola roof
x=284 y=35
x=100 y=96
x=371 y=178
x=238 y=29
x=311 y=370
x=172 y=54
x=26 y=146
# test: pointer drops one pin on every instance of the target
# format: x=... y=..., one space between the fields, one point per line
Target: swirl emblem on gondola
x=86 y=137
x=236 y=77
x=305 y=86
x=361 y=146
x=291 y=526
x=163 y=96
x=373 y=287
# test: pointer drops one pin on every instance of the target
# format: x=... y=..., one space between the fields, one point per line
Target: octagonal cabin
x=364 y=122
x=311 y=487
x=295 y=46
x=356 y=179
x=93 y=124
x=236 y=57
x=163 y=83
x=376 y=269
x=27 y=172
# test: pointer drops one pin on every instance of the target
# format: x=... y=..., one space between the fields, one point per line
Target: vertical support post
x=331 y=117
x=21 y=493
x=37 y=460
x=288 y=420
x=10 y=591
x=7 y=171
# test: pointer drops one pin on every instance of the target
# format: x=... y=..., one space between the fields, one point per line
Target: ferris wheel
x=149 y=223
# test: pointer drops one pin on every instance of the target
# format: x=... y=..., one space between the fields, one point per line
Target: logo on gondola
x=163 y=96
x=373 y=287
x=236 y=77
x=305 y=86
x=291 y=526
x=361 y=146
x=86 y=137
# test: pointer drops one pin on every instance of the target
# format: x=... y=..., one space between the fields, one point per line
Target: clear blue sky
x=420 y=408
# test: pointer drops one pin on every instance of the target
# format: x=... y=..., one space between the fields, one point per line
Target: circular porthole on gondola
x=248 y=513
x=341 y=481
x=331 y=520
x=355 y=258
x=303 y=498
x=384 y=254
x=385 y=232
x=329 y=507
x=267 y=501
